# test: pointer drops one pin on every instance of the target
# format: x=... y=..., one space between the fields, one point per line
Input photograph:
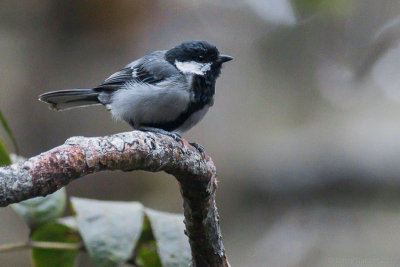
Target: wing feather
x=151 y=69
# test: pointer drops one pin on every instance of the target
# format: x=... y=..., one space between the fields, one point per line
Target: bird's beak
x=224 y=58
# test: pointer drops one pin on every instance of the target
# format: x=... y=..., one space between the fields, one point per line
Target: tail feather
x=73 y=98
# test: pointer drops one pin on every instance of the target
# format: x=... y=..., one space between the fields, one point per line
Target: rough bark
x=43 y=174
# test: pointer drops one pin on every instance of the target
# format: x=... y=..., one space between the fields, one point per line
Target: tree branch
x=80 y=156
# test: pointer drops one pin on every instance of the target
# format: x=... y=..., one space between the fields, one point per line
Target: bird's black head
x=197 y=57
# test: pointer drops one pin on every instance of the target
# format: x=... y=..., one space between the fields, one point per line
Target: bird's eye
x=201 y=57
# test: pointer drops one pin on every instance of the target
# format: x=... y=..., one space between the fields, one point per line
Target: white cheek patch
x=193 y=67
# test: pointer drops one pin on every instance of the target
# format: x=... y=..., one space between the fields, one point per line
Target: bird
x=166 y=92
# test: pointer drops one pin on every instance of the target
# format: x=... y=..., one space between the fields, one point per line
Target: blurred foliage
x=109 y=229
x=168 y=228
x=334 y=7
x=42 y=210
x=9 y=132
x=4 y=153
x=55 y=232
x=146 y=250
x=113 y=232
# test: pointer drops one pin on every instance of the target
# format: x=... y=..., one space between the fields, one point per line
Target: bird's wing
x=151 y=69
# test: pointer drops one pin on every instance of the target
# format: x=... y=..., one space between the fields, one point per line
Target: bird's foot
x=200 y=148
x=174 y=135
x=177 y=137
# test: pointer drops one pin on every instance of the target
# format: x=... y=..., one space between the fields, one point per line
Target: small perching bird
x=166 y=91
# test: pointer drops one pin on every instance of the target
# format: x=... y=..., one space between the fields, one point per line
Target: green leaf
x=44 y=257
x=9 y=132
x=146 y=251
x=4 y=155
x=172 y=243
x=109 y=229
x=41 y=210
x=147 y=255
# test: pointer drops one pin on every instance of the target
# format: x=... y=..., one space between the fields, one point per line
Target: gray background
x=304 y=131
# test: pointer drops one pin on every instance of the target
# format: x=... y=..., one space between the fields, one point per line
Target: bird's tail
x=68 y=99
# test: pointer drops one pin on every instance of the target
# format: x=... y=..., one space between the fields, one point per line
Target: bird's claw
x=200 y=148
x=177 y=137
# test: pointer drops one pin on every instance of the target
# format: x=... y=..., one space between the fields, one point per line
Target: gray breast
x=146 y=104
